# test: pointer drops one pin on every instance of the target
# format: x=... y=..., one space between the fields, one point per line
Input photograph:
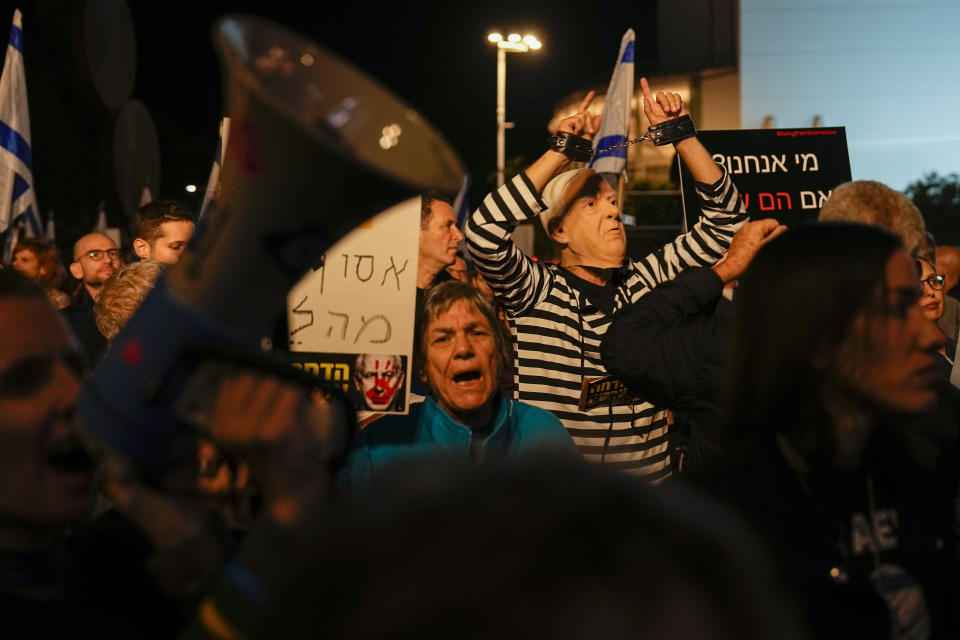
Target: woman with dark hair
x=831 y=354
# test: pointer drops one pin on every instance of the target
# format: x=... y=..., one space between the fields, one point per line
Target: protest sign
x=351 y=319
x=781 y=173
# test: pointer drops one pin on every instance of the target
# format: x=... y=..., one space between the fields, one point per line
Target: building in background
x=884 y=69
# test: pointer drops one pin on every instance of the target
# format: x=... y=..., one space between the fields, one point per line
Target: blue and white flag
x=18 y=200
x=461 y=204
x=616 y=114
x=213 y=182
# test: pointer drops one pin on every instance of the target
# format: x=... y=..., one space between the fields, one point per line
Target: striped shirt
x=557 y=331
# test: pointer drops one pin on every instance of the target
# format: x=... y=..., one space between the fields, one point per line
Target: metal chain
x=621 y=145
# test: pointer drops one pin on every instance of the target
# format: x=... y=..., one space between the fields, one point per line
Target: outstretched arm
x=722 y=211
x=516 y=280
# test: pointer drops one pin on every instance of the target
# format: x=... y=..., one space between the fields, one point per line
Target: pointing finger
x=645 y=89
x=586 y=102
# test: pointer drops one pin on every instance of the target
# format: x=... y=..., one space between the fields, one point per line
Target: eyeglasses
x=935 y=282
x=97 y=254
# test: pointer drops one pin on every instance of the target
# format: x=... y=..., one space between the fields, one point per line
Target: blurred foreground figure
x=863 y=535
x=92 y=583
x=498 y=552
x=461 y=347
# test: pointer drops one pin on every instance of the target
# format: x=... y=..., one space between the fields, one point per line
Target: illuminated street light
x=517 y=44
x=191 y=188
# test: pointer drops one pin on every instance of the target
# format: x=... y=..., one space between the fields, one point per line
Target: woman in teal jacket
x=460 y=349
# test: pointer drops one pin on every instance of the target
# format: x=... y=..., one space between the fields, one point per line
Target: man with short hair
x=161 y=230
x=95 y=258
x=560 y=312
x=439 y=238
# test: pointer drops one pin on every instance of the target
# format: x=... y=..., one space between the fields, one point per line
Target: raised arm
x=517 y=281
x=722 y=212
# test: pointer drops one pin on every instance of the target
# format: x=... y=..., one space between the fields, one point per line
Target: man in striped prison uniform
x=559 y=313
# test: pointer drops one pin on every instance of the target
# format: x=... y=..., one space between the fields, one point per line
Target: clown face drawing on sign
x=379 y=380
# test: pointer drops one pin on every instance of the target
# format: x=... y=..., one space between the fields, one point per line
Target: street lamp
x=516 y=44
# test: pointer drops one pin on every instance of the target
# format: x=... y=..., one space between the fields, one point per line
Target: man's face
x=380 y=380
x=440 y=238
x=592 y=229
x=172 y=242
x=462 y=367
x=891 y=356
x=25 y=261
x=458 y=270
x=45 y=477
x=95 y=270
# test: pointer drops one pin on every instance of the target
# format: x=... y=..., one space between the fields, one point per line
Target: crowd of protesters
x=786 y=465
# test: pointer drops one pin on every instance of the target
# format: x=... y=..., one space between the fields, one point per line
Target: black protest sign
x=781 y=173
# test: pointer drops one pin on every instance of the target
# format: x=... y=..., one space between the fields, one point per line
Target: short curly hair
x=870 y=202
x=122 y=293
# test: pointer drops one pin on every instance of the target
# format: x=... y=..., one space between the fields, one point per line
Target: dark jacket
x=518 y=430
x=839 y=540
x=79 y=316
x=670 y=348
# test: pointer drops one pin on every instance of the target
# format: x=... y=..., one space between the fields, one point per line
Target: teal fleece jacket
x=428 y=430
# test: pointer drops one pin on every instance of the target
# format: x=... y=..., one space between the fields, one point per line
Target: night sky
x=435 y=55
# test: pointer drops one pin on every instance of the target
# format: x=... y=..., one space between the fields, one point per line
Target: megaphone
x=316 y=147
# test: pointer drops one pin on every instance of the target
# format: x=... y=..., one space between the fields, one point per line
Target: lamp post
x=517 y=44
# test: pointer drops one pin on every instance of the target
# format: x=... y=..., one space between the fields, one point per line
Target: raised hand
x=581 y=123
x=665 y=107
x=744 y=247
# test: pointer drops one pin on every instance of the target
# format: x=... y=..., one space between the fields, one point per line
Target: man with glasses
x=95 y=258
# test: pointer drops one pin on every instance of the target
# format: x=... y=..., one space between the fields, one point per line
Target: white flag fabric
x=18 y=200
x=213 y=182
x=616 y=112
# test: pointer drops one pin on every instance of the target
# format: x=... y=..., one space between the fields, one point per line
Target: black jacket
x=79 y=316
x=833 y=535
x=671 y=349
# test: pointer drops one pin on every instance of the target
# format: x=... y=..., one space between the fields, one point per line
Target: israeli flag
x=213 y=182
x=18 y=200
x=461 y=204
x=616 y=115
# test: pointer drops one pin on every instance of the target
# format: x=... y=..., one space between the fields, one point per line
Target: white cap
x=553 y=195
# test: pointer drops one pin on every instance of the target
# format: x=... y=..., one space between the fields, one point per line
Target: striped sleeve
x=722 y=213
x=517 y=281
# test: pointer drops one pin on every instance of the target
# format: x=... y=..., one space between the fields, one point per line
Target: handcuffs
x=667 y=132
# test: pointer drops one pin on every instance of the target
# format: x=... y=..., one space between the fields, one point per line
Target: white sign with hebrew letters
x=351 y=319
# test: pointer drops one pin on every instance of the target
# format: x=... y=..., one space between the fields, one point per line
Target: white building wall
x=887 y=70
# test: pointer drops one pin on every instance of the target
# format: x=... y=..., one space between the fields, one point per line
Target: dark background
x=433 y=54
